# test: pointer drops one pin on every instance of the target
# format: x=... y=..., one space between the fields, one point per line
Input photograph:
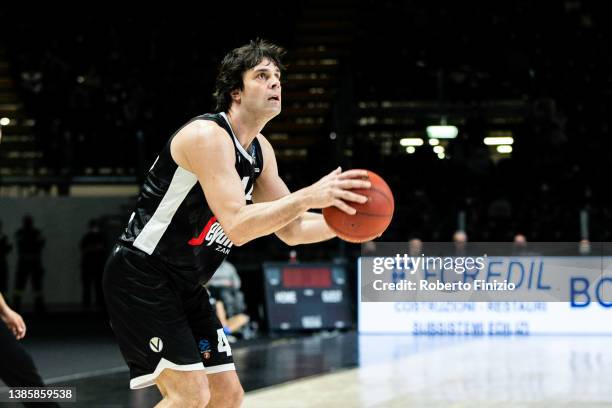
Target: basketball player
x=16 y=366
x=191 y=211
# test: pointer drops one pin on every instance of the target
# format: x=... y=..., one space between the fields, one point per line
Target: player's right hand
x=334 y=190
x=15 y=323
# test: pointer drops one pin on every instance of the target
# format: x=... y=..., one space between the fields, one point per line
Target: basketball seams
x=384 y=194
x=360 y=227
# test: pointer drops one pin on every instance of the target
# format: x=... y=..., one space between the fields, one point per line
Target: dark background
x=97 y=92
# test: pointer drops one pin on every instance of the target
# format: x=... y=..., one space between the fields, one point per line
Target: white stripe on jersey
x=182 y=182
x=236 y=141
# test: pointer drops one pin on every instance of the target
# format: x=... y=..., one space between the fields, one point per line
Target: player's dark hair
x=236 y=63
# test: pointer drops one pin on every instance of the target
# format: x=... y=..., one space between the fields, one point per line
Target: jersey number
x=223 y=345
x=245 y=183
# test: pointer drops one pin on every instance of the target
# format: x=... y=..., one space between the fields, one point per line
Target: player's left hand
x=15 y=323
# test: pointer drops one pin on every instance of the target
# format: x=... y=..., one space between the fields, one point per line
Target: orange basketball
x=372 y=218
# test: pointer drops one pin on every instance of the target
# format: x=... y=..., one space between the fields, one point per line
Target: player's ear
x=235 y=95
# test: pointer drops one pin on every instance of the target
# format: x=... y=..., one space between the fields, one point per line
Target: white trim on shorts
x=220 y=368
x=148 y=380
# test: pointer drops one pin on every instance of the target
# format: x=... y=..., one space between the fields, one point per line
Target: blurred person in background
x=93 y=257
x=5 y=249
x=368 y=248
x=460 y=240
x=30 y=243
x=519 y=244
x=415 y=247
x=293 y=257
x=584 y=247
x=228 y=300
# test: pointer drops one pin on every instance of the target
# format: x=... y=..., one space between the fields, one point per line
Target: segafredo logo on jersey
x=213 y=235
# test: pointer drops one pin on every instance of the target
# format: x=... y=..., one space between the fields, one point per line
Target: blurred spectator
x=460 y=239
x=415 y=247
x=30 y=244
x=5 y=248
x=369 y=248
x=584 y=247
x=520 y=240
x=228 y=301
x=93 y=257
x=519 y=244
x=226 y=277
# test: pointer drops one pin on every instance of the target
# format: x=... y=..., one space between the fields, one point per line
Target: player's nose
x=275 y=84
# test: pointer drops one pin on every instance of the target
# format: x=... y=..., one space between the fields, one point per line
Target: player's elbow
x=236 y=230
x=288 y=235
x=288 y=240
x=239 y=234
x=238 y=238
x=238 y=243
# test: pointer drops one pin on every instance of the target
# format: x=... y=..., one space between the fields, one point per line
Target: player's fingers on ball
x=361 y=183
x=354 y=183
x=358 y=198
x=355 y=173
x=342 y=206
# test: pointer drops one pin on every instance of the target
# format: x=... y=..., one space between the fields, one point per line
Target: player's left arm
x=309 y=227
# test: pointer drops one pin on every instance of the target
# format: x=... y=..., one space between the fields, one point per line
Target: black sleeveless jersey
x=173 y=221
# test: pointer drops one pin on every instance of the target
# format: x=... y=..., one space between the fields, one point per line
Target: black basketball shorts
x=160 y=319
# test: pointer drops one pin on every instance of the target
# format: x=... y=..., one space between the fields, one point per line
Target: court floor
x=405 y=371
x=349 y=370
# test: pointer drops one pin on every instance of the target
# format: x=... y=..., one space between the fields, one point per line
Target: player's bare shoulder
x=201 y=133
x=198 y=139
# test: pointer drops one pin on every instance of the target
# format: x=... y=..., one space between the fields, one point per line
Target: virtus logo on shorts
x=213 y=234
x=156 y=344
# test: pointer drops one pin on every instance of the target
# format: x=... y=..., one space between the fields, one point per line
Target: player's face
x=262 y=89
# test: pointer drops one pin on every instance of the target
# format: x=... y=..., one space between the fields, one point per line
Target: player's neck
x=245 y=127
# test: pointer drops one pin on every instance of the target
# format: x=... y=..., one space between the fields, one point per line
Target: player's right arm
x=12 y=319
x=204 y=149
